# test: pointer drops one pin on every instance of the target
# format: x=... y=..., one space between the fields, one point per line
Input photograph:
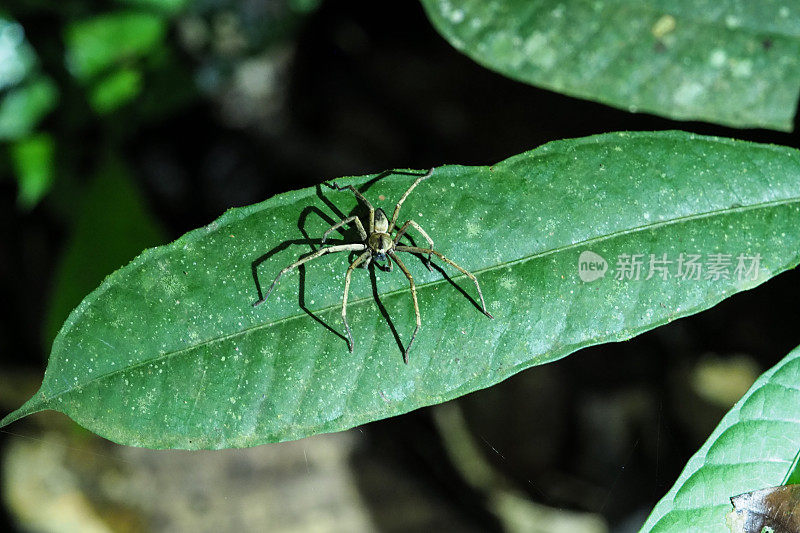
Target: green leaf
x=115 y=90
x=34 y=168
x=167 y=6
x=22 y=108
x=734 y=62
x=17 y=58
x=95 y=44
x=169 y=353
x=752 y=448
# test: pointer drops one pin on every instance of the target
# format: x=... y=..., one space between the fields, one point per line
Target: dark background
x=606 y=430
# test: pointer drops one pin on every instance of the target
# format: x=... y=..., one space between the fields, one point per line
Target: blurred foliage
x=71 y=73
x=115 y=89
x=22 y=108
x=98 y=43
x=166 y=6
x=130 y=61
x=33 y=164
x=113 y=225
x=26 y=96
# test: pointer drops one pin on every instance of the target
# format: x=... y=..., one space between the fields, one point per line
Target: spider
x=378 y=245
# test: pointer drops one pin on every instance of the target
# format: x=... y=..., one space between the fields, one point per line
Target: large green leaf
x=735 y=62
x=169 y=352
x=752 y=448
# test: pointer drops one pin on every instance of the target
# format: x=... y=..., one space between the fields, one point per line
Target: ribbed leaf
x=735 y=62
x=169 y=352
x=752 y=448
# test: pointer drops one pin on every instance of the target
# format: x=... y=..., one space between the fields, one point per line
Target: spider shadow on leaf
x=448 y=279
x=314 y=244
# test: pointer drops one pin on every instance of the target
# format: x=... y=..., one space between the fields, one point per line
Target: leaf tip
x=34 y=405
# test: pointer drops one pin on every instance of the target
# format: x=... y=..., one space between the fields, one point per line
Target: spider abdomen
x=381 y=222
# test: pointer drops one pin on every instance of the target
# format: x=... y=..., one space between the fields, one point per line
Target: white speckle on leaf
x=717 y=57
x=473 y=229
x=733 y=21
x=742 y=68
x=688 y=92
x=508 y=283
x=538 y=50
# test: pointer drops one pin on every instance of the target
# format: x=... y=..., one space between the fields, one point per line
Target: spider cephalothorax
x=380 y=242
x=379 y=245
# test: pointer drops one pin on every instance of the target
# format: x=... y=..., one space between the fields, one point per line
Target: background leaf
x=752 y=448
x=115 y=90
x=22 y=108
x=33 y=167
x=168 y=351
x=168 y=6
x=732 y=62
x=113 y=218
x=96 y=44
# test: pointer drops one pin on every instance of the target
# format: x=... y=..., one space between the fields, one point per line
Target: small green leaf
x=95 y=44
x=169 y=353
x=752 y=448
x=115 y=90
x=735 y=62
x=22 y=108
x=34 y=168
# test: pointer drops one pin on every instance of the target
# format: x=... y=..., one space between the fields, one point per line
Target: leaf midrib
x=685 y=218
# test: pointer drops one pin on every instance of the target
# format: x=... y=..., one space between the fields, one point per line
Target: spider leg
x=318 y=253
x=366 y=203
x=348 y=220
x=360 y=259
x=416 y=305
x=405 y=195
x=416 y=249
x=422 y=232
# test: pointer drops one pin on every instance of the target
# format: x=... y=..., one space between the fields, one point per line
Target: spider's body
x=379 y=245
x=380 y=242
